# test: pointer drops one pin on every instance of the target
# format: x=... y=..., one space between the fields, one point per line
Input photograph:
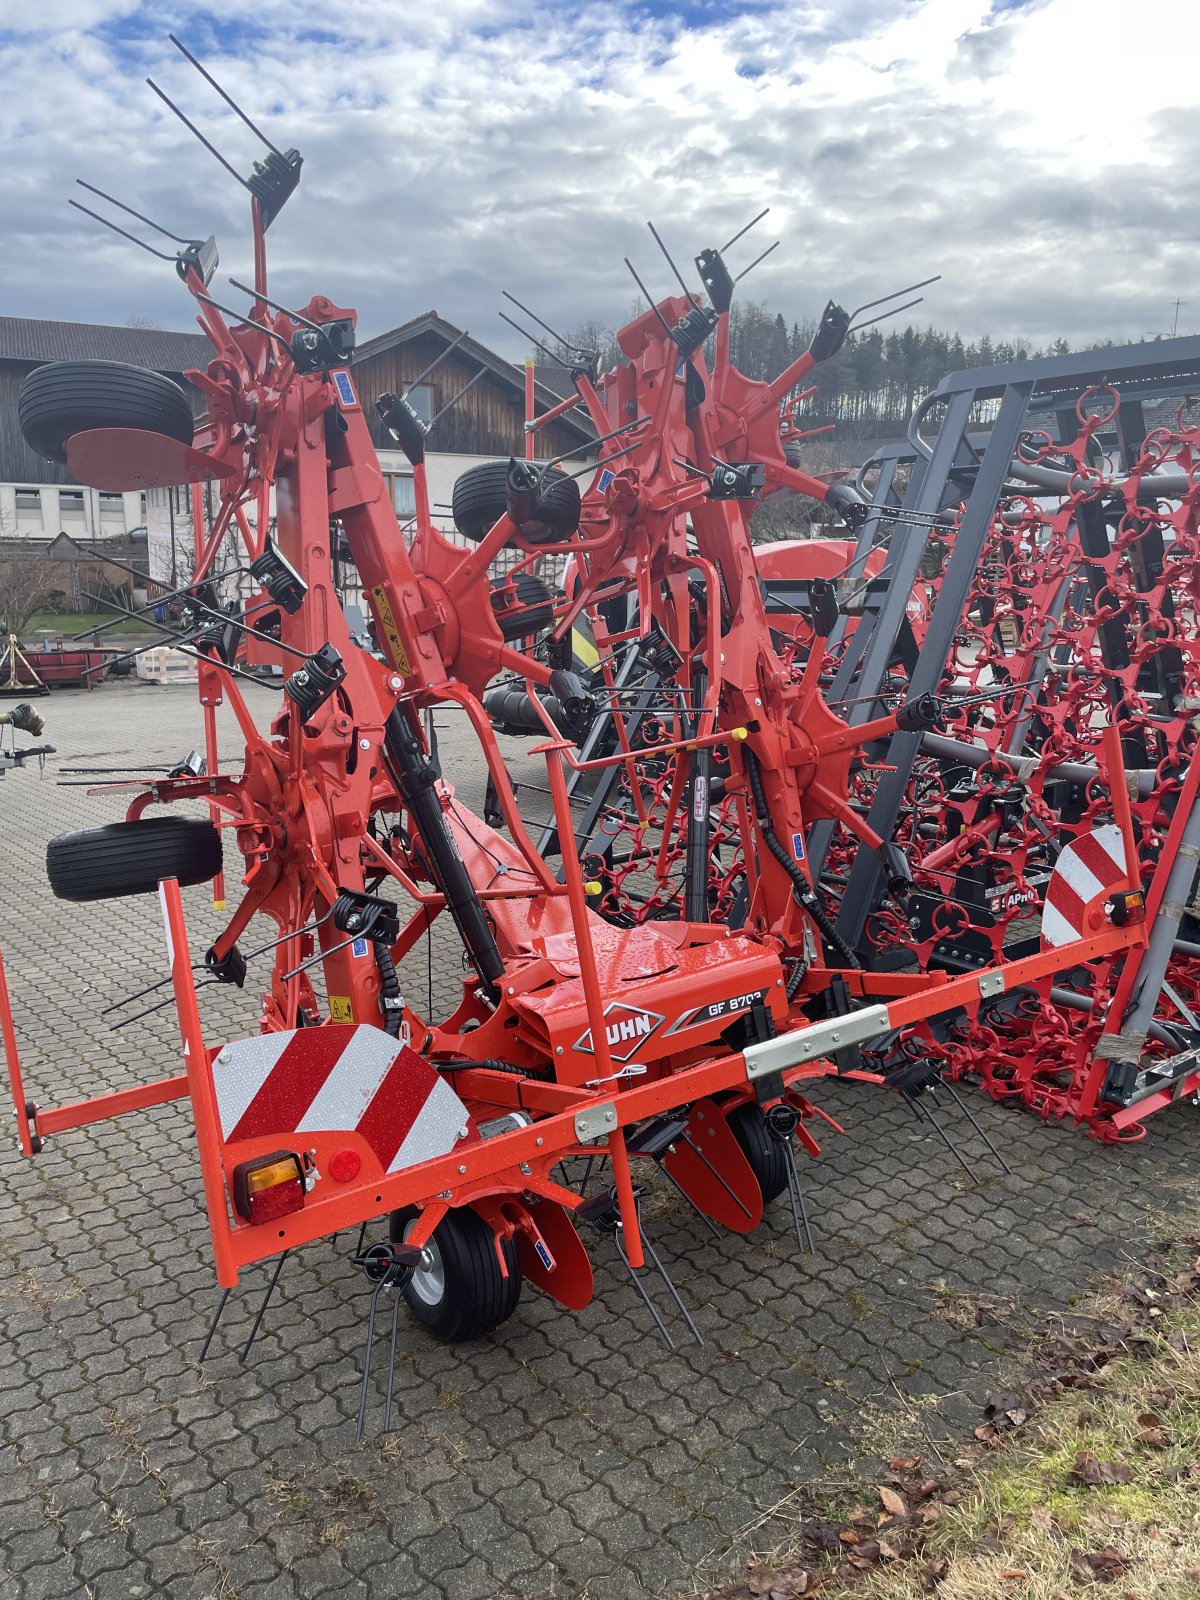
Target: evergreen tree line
x=874 y=382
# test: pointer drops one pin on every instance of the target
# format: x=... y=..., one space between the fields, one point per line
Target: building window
x=420 y=398
x=29 y=510
x=112 y=513
x=404 y=496
x=70 y=510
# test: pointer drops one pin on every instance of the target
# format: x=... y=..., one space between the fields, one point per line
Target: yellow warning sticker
x=583 y=647
x=388 y=622
x=340 y=1009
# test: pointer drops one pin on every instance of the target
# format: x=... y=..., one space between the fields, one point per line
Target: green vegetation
x=1085 y=1478
x=69 y=623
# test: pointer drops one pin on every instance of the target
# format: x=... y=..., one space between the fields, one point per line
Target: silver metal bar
x=815 y=1040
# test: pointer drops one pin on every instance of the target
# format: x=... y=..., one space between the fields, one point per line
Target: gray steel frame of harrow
x=936 y=480
x=938 y=475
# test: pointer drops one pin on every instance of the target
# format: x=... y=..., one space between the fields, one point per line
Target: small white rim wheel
x=428 y=1283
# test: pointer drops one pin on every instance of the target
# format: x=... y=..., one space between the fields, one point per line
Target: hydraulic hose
x=805 y=895
x=415 y=779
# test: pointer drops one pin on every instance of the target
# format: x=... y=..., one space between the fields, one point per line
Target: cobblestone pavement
x=572 y=1455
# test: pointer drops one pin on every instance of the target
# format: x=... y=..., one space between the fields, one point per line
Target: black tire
x=128 y=858
x=480 y=499
x=523 y=606
x=68 y=397
x=465 y=1295
x=761 y=1149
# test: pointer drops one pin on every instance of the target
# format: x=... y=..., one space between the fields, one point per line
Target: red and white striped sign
x=338 y=1079
x=1089 y=870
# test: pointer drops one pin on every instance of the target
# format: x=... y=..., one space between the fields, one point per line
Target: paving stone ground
x=570 y=1456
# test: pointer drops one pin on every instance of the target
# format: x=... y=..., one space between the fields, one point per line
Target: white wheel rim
x=428 y=1283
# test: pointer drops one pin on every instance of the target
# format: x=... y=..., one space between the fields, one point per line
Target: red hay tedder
x=683 y=1028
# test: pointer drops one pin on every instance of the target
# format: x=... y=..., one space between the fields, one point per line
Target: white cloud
x=1041 y=158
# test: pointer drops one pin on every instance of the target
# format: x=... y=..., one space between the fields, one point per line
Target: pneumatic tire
x=522 y=605
x=480 y=499
x=761 y=1148
x=464 y=1295
x=127 y=858
x=69 y=397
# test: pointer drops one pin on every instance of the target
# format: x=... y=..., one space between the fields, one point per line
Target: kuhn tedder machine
x=670 y=997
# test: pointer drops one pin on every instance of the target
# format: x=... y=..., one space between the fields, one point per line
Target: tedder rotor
x=688 y=1035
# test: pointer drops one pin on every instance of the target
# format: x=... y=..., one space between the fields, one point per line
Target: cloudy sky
x=1040 y=154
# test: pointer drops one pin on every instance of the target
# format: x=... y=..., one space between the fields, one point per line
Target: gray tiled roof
x=31 y=340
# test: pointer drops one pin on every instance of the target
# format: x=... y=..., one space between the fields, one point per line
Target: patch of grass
x=971 y=1311
x=289 y=1495
x=72 y=622
x=351 y=1495
x=1096 y=1488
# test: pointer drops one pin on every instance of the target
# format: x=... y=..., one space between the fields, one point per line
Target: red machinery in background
x=671 y=1038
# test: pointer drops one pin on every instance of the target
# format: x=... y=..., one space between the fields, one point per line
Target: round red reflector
x=344 y=1165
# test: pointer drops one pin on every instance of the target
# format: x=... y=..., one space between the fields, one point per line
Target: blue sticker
x=544 y=1255
x=603 y=481
x=359 y=947
x=345 y=388
x=798 y=846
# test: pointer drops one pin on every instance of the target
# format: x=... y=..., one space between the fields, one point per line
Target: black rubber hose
x=492 y=1064
x=805 y=895
x=415 y=779
x=389 y=991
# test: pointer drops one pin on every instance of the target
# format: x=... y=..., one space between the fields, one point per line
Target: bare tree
x=26 y=584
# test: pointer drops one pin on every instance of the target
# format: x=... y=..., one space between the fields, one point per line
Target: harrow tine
x=923 y=1113
x=671 y=1289
x=212 y=1327
x=796 y=1197
x=959 y=1101
x=707 y=1221
x=640 y=1286
x=744 y=230
x=696 y=1150
x=366 y=1370
x=391 y=1377
x=647 y=295
x=757 y=259
x=224 y=93
x=264 y=1303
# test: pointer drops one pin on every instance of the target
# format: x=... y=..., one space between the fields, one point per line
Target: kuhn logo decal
x=734 y=1005
x=625 y=1028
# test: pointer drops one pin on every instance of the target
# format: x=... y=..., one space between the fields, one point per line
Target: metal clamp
x=596 y=1122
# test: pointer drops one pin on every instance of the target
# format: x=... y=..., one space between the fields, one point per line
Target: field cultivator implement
x=660 y=991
